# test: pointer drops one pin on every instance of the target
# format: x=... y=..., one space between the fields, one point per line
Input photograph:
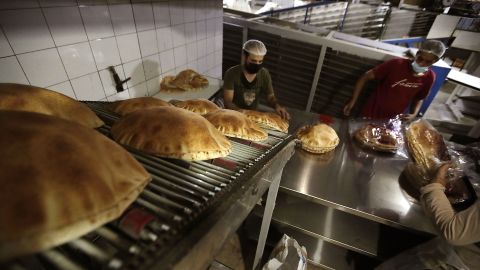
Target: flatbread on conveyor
x=236 y=124
x=58 y=181
x=19 y=97
x=377 y=138
x=318 y=139
x=186 y=80
x=172 y=133
x=200 y=106
x=269 y=119
x=127 y=106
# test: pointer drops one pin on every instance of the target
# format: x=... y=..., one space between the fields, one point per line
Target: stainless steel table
x=338 y=203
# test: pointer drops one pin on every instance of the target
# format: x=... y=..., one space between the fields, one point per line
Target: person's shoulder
x=234 y=70
x=398 y=61
x=264 y=72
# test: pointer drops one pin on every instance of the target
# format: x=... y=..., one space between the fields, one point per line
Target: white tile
x=210 y=9
x=5 y=49
x=191 y=52
x=219 y=9
x=167 y=61
x=178 y=35
x=218 y=43
x=218 y=58
x=88 y=87
x=180 y=54
x=26 y=30
x=122 y=19
x=219 y=27
x=200 y=10
x=105 y=52
x=190 y=32
x=161 y=13
x=189 y=11
x=164 y=38
x=97 y=21
x=43 y=68
x=176 y=12
x=63 y=88
x=170 y=72
x=210 y=61
x=192 y=65
x=210 y=45
x=18 y=4
x=201 y=30
x=153 y=85
x=58 y=3
x=139 y=90
x=120 y=96
x=180 y=69
x=108 y=82
x=134 y=70
x=143 y=16
x=92 y=2
x=201 y=48
x=11 y=72
x=77 y=59
x=210 y=27
x=128 y=46
x=202 y=65
x=65 y=25
x=148 y=42
x=151 y=66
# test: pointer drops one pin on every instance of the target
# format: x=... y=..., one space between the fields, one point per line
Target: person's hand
x=348 y=107
x=282 y=112
x=441 y=175
x=407 y=117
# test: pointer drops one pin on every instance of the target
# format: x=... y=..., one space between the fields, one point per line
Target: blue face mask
x=418 y=69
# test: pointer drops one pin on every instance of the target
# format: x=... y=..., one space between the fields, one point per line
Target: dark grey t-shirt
x=246 y=94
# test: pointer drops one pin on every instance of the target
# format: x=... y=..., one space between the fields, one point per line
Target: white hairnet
x=255 y=47
x=434 y=47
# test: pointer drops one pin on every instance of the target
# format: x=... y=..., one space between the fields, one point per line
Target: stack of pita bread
x=186 y=80
x=235 y=124
x=318 y=139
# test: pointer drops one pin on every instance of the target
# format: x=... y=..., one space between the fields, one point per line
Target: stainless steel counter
x=353 y=180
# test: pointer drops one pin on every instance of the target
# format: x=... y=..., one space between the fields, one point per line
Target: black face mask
x=252 y=68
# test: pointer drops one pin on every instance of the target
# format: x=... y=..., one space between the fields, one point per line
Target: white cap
x=255 y=47
x=434 y=47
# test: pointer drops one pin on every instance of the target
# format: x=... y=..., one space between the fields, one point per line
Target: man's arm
x=458 y=228
x=228 y=99
x=367 y=76
x=414 y=109
x=272 y=101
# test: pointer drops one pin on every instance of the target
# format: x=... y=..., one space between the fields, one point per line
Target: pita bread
x=19 y=97
x=172 y=133
x=235 y=124
x=377 y=138
x=125 y=107
x=61 y=180
x=318 y=139
x=270 y=119
x=186 y=80
x=200 y=106
x=426 y=146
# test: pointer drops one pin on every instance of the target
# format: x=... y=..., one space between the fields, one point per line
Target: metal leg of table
x=267 y=218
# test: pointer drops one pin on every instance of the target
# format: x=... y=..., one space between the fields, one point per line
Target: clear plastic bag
x=384 y=136
x=287 y=255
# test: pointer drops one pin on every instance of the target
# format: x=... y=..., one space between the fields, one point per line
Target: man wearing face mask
x=403 y=83
x=243 y=84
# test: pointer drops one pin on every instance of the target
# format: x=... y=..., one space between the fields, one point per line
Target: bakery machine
x=183 y=216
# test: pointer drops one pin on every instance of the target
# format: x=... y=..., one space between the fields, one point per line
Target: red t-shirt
x=398 y=88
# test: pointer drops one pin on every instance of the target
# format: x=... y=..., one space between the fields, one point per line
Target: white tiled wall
x=67 y=45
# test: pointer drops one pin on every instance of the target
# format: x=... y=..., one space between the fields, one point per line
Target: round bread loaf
x=172 y=133
x=236 y=124
x=19 y=97
x=58 y=181
x=200 y=106
x=127 y=106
